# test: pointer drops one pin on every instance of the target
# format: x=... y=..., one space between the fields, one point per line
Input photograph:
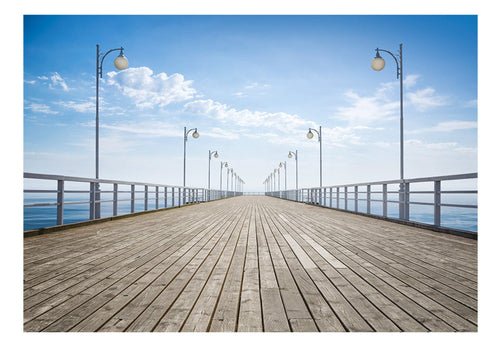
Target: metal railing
x=154 y=196
x=340 y=196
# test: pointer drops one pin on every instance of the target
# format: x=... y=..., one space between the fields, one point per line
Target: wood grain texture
x=249 y=264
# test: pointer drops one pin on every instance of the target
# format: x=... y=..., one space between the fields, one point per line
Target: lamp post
x=274 y=173
x=283 y=164
x=186 y=134
x=120 y=63
x=310 y=135
x=378 y=63
x=232 y=179
x=222 y=164
x=296 y=156
x=215 y=155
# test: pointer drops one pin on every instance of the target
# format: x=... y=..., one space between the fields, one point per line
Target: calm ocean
x=39 y=217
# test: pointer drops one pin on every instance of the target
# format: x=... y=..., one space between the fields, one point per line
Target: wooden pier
x=249 y=263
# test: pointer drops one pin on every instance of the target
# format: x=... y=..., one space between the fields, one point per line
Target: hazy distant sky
x=252 y=85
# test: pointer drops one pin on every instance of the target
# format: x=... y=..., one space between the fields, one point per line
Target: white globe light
x=378 y=63
x=310 y=135
x=290 y=155
x=226 y=165
x=196 y=134
x=121 y=63
x=216 y=155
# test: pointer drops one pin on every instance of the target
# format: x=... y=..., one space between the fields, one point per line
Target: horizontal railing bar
x=95 y=180
x=76 y=202
x=41 y=204
x=456 y=205
x=39 y=191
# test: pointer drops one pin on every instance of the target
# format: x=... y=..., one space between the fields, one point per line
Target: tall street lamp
x=274 y=178
x=283 y=164
x=120 y=63
x=186 y=134
x=210 y=155
x=378 y=63
x=222 y=164
x=296 y=156
x=310 y=135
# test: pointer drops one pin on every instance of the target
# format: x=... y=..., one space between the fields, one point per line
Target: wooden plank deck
x=250 y=263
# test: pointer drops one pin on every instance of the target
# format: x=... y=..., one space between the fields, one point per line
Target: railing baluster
x=346 y=198
x=338 y=197
x=356 y=198
x=157 y=197
x=384 y=200
x=92 y=201
x=115 y=199
x=146 y=197
x=407 y=201
x=437 y=203
x=132 y=198
x=368 y=199
x=60 y=202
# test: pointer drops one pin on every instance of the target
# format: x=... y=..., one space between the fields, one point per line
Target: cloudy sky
x=253 y=86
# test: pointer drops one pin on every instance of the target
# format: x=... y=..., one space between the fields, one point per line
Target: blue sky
x=252 y=85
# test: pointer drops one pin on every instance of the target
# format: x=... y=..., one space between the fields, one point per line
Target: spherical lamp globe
x=121 y=62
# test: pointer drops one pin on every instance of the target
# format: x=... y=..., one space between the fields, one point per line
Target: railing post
x=384 y=200
x=146 y=188
x=368 y=199
x=401 y=201
x=346 y=196
x=338 y=197
x=173 y=196
x=92 y=201
x=180 y=195
x=356 y=198
x=165 y=191
x=60 y=202
x=437 y=203
x=331 y=197
x=157 y=197
x=115 y=199
x=132 y=198
x=407 y=201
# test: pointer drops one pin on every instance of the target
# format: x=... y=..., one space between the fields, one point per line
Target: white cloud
x=40 y=108
x=57 y=80
x=221 y=133
x=447 y=127
x=149 y=90
x=425 y=98
x=365 y=110
x=410 y=81
x=245 y=118
x=82 y=107
x=146 y=128
x=383 y=104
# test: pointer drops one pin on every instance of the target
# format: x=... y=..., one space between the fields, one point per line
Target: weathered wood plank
x=249 y=264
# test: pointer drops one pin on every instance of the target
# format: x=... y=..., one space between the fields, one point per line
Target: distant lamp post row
x=270 y=182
